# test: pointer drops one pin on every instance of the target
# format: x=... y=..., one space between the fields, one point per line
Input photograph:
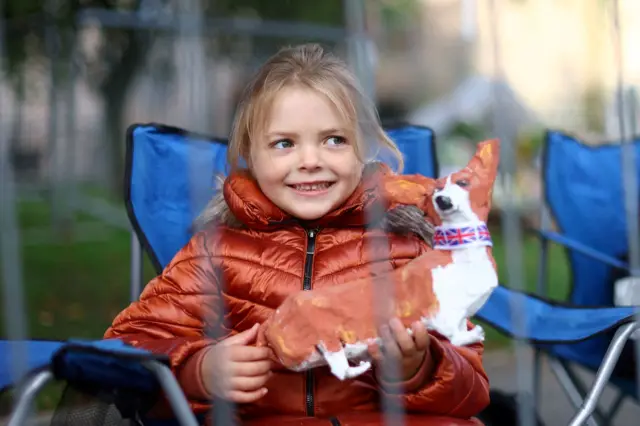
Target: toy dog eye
x=462 y=183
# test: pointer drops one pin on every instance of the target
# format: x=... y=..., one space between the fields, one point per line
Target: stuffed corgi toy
x=442 y=288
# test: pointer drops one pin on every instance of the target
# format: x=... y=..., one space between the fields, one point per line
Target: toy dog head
x=465 y=196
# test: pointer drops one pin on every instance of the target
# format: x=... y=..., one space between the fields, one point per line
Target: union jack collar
x=469 y=235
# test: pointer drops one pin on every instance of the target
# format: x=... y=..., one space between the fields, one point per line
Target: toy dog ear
x=486 y=159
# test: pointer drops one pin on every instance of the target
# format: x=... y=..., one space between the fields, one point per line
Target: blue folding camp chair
x=170 y=176
x=583 y=190
x=118 y=372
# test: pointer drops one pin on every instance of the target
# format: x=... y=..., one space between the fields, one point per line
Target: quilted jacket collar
x=249 y=205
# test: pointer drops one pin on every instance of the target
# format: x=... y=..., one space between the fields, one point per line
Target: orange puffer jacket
x=234 y=274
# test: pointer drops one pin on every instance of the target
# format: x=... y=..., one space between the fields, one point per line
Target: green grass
x=71 y=289
x=74 y=289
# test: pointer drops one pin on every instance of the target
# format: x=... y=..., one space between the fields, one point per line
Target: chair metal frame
x=584 y=399
x=168 y=382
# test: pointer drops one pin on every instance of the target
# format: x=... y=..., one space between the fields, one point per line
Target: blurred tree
x=325 y=12
x=41 y=29
x=37 y=30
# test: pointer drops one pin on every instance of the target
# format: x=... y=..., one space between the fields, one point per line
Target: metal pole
x=355 y=14
x=25 y=398
x=137 y=268
x=628 y=153
x=10 y=248
x=191 y=64
x=610 y=360
x=629 y=166
x=55 y=155
x=174 y=394
x=69 y=158
x=358 y=44
x=511 y=230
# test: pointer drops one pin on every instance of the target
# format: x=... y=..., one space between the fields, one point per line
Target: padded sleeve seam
x=469 y=393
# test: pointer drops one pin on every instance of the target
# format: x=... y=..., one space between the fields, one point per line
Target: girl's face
x=304 y=160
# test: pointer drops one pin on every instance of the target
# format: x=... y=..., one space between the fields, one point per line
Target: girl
x=294 y=219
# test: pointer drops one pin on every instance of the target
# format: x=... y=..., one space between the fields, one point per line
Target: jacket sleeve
x=455 y=386
x=178 y=314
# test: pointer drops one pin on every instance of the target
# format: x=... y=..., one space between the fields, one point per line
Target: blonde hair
x=309 y=66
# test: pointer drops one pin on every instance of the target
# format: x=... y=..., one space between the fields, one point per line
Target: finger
x=250 y=369
x=249 y=384
x=420 y=336
x=390 y=348
x=248 y=354
x=403 y=339
x=243 y=338
x=374 y=352
x=241 y=397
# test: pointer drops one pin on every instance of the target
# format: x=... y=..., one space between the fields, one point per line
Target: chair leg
x=568 y=384
x=613 y=409
x=25 y=399
x=537 y=362
x=604 y=373
x=174 y=394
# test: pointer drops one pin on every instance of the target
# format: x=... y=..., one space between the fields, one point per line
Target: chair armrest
x=527 y=317
x=582 y=248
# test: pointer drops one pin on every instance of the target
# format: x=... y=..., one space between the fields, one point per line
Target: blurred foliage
x=45 y=33
x=529 y=145
x=473 y=132
x=325 y=12
x=397 y=13
x=29 y=25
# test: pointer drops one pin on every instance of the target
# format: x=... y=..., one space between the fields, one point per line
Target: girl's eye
x=462 y=183
x=336 y=140
x=282 y=144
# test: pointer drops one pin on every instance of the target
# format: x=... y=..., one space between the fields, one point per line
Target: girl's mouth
x=311 y=188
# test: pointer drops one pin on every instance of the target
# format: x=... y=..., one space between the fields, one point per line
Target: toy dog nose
x=444 y=203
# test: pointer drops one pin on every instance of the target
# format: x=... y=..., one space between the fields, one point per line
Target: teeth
x=312 y=187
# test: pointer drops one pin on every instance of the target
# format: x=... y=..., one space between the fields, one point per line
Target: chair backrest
x=170 y=176
x=584 y=190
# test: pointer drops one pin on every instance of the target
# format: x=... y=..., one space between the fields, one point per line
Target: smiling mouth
x=312 y=187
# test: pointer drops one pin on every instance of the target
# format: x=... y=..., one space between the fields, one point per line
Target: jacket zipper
x=306 y=285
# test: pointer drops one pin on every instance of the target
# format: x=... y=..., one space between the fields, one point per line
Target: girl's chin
x=310 y=211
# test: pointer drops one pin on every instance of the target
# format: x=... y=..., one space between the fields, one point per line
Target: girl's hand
x=235 y=371
x=408 y=352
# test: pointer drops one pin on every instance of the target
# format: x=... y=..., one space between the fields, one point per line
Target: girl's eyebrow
x=293 y=135
x=279 y=134
x=332 y=131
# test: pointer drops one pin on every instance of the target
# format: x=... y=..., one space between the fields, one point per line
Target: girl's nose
x=310 y=158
